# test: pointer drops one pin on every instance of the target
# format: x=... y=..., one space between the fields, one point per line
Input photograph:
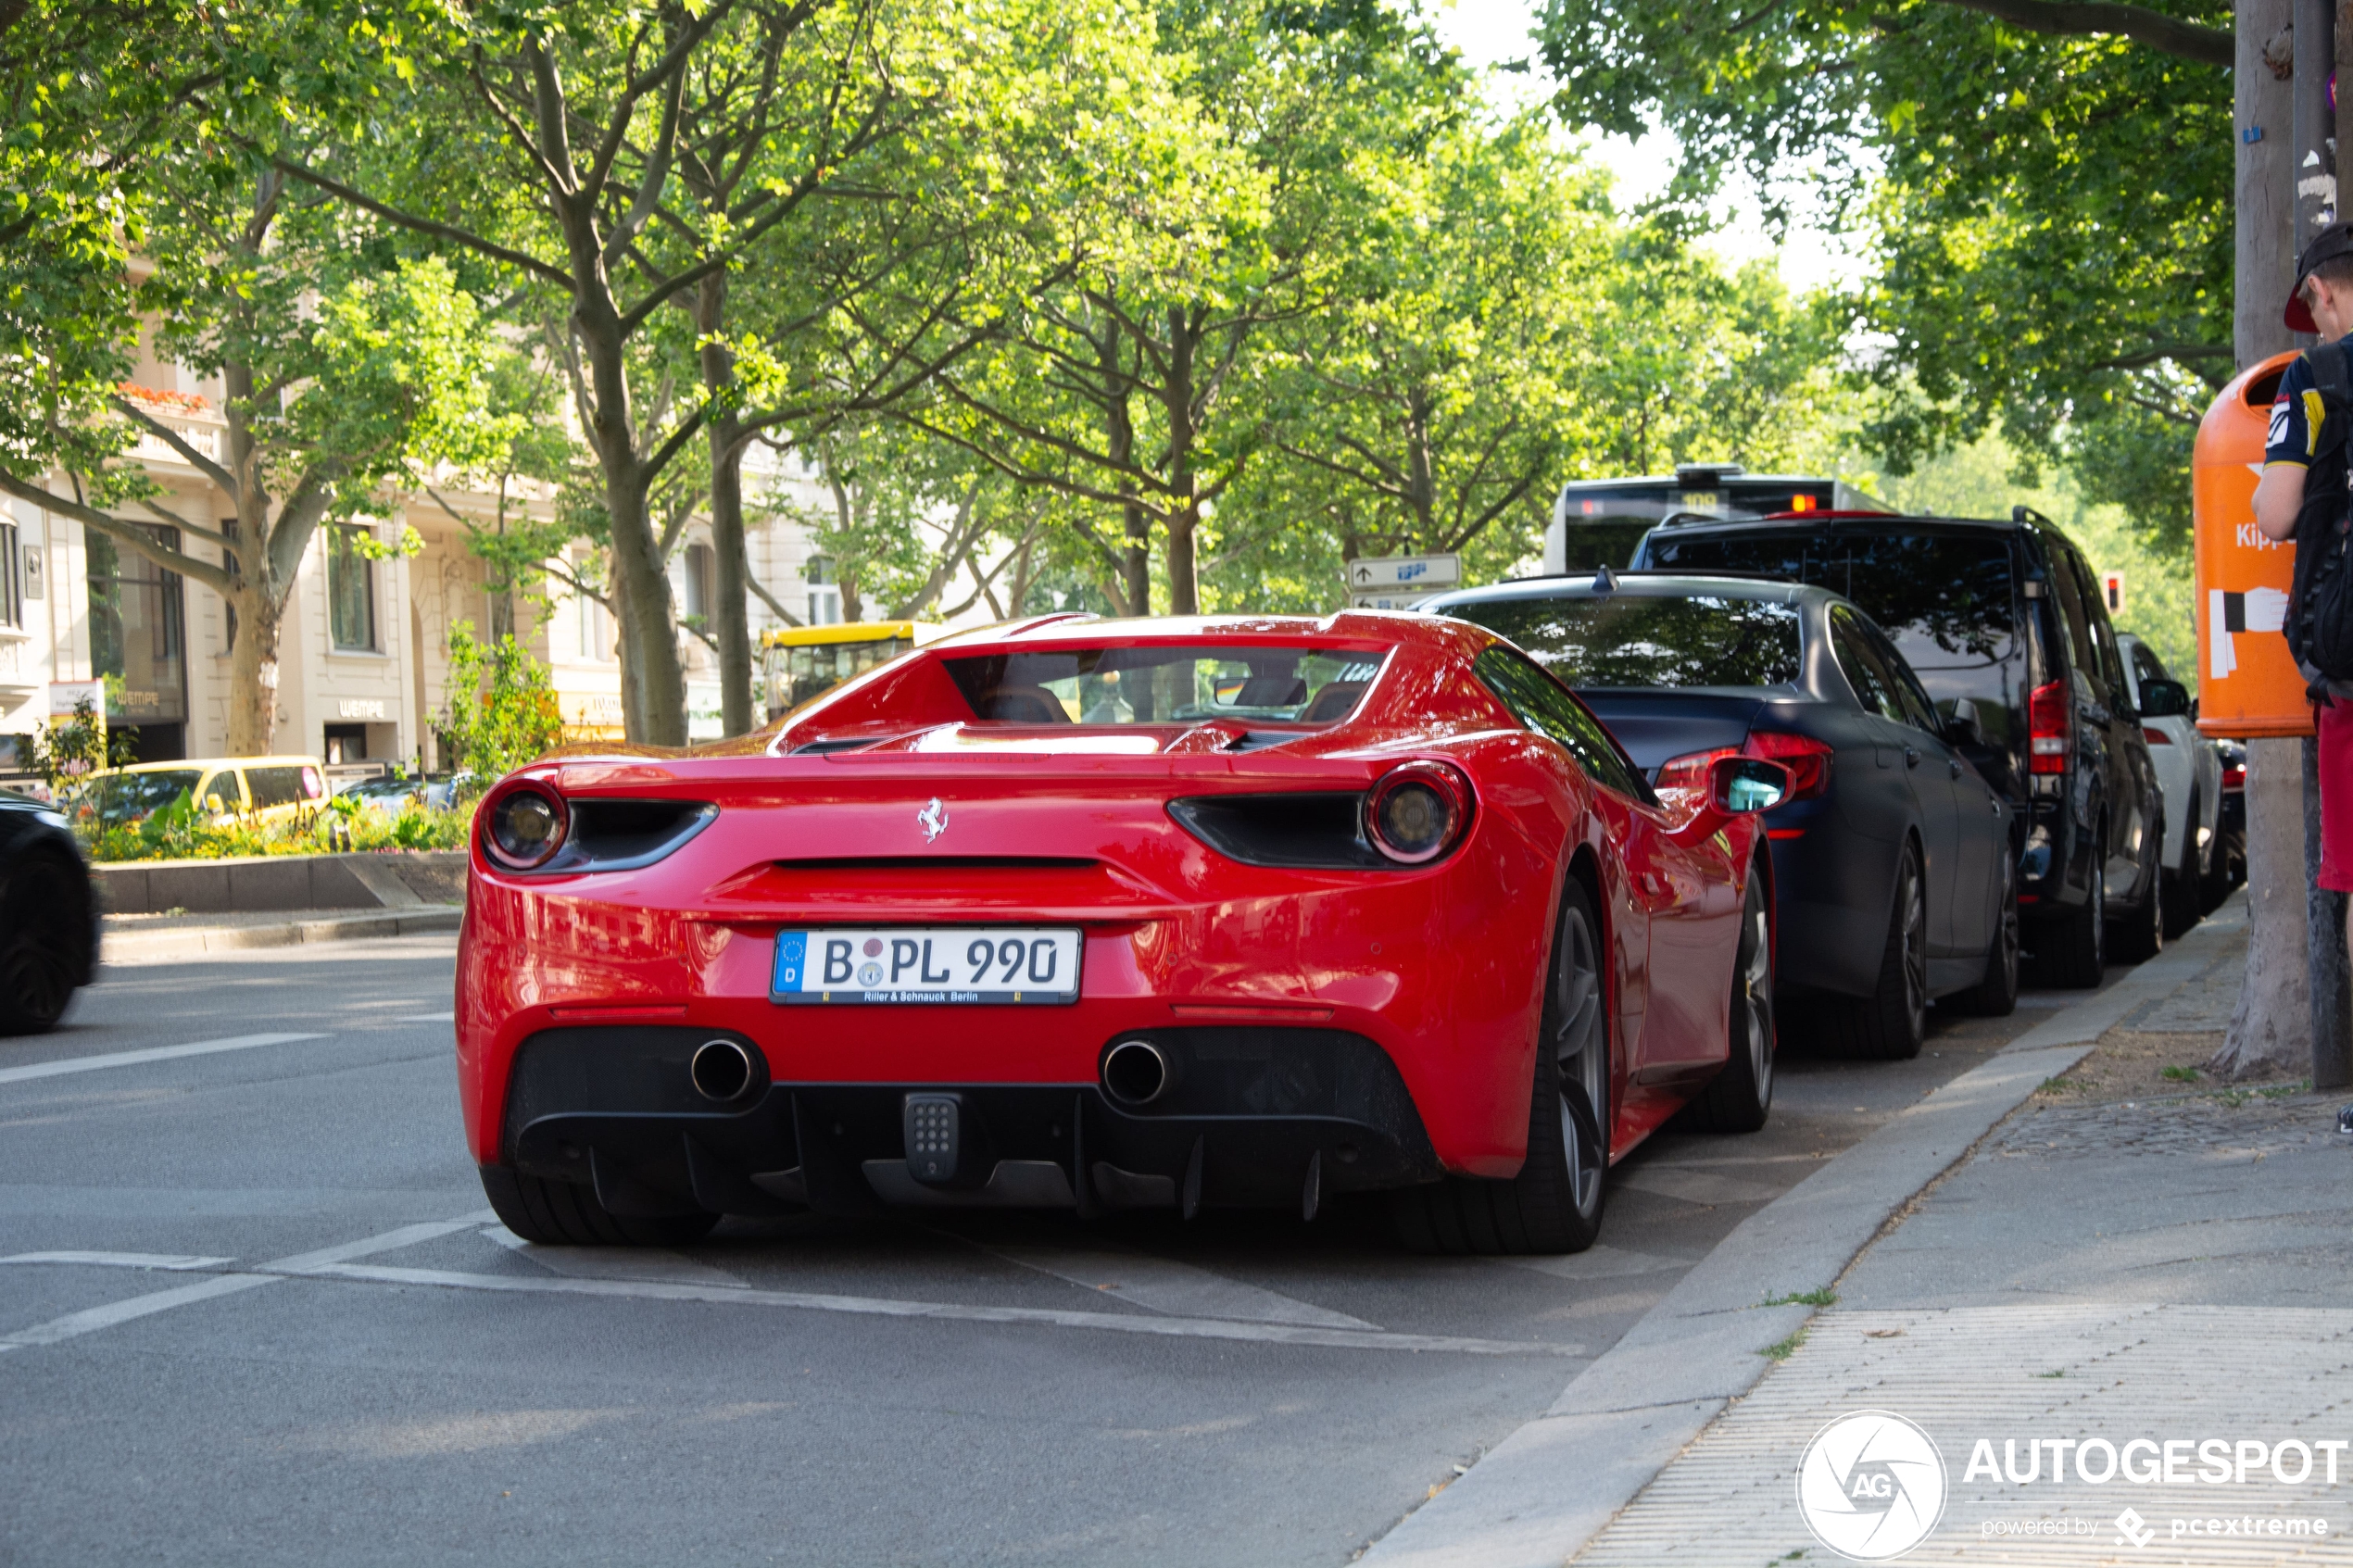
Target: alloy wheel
x=1580 y=1048
x=2099 y=919
x=1915 y=940
x=1756 y=997
x=36 y=983
x=2005 y=940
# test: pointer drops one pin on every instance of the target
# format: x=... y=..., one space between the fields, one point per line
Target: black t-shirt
x=2303 y=432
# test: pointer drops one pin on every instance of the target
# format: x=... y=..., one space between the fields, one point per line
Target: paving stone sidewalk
x=2129 y=1255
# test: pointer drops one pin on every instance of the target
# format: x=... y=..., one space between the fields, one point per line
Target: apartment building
x=363 y=652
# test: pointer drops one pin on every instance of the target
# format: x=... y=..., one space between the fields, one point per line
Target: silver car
x=2189 y=775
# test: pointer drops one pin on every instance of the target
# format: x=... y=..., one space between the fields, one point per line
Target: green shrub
x=178 y=832
x=500 y=712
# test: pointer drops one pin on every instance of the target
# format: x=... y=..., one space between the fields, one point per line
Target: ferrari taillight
x=1807 y=760
x=1418 y=812
x=523 y=824
x=2048 y=728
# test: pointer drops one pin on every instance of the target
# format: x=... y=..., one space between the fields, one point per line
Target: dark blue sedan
x=1893 y=882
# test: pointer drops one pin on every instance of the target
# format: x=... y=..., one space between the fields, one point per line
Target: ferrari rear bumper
x=1253 y=1117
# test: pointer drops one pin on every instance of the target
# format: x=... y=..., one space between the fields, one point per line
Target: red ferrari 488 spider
x=1099 y=915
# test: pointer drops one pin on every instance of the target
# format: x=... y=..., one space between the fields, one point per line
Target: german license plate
x=896 y=965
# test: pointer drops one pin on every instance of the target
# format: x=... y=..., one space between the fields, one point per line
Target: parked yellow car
x=264 y=788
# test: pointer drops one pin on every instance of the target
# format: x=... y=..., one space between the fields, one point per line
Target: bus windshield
x=798 y=673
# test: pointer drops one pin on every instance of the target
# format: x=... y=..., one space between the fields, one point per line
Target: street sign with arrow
x=1420 y=574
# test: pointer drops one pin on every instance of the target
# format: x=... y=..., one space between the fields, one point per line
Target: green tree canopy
x=2030 y=271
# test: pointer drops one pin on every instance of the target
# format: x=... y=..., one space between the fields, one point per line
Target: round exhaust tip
x=721 y=1069
x=1135 y=1073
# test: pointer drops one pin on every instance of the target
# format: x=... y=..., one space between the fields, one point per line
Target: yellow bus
x=800 y=662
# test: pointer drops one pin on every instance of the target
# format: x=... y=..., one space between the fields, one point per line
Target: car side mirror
x=2164 y=699
x=1962 y=726
x=1737 y=785
x=212 y=804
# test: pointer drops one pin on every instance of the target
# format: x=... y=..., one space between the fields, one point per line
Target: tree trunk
x=253 y=673
x=730 y=616
x=2271 y=1030
x=1184 y=512
x=2271 y=1033
x=1421 y=479
x=653 y=682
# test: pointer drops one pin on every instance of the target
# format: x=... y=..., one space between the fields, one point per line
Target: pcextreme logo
x=1871 y=1486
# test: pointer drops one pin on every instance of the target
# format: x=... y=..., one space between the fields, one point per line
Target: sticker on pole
x=1871 y=1486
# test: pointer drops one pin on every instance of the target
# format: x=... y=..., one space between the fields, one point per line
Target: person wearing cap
x=2299 y=451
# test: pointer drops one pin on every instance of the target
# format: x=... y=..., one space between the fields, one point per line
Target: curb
x=1535 y=1498
x=159 y=946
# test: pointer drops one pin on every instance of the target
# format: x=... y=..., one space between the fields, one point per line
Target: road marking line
x=1181 y=1328
x=74 y=1324
x=122 y=1260
x=301 y=1265
x=615 y=1262
x=1162 y=1284
x=423 y=1018
x=390 y=1241
x=154 y=1053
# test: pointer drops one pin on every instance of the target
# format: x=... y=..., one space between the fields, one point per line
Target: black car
x=2230 y=827
x=1892 y=881
x=48 y=917
x=2007 y=614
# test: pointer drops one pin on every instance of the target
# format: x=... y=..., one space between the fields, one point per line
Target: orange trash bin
x=2248 y=684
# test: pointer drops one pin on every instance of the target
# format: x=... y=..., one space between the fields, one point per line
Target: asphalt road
x=252 y=1309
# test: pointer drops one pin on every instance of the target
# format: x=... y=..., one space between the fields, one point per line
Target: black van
x=2006 y=626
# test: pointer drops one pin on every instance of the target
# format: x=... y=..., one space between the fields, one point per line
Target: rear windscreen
x=1623 y=640
x=1165 y=685
x=1944 y=597
x=1603 y=540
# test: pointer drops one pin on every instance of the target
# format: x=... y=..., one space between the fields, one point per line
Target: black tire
x=567 y=1214
x=2184 y=889
x=1995 y=993
x=45 y=937
x=2214 y=880
x=2071 y=952
x=1554 y=1204
x=2140 y=933
x=1738 y=1098
x=1890 y=1024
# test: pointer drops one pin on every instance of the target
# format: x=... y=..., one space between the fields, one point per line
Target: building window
x=135 y=640
x=698 y=594
x=351 y=591
x=824 y=594
x=11 y=578
x=592 y=621
x=229 y=565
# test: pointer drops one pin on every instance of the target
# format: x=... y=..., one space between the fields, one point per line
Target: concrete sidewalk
x=2116 y=1254
x=137 y=939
